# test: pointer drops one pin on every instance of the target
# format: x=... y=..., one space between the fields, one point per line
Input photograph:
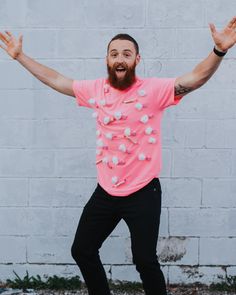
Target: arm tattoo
x=182 y=90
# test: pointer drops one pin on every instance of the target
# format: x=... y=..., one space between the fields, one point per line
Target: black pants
x=141 y=212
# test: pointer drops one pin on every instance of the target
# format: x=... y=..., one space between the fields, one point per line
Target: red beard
x=126 y=81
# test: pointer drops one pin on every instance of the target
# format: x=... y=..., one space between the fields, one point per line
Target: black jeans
x=141 y=212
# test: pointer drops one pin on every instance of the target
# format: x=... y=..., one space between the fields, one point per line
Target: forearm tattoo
x=181 y=90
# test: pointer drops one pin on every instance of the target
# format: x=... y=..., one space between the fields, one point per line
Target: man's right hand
x=12 y=46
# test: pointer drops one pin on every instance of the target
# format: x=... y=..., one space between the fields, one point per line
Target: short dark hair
x=125 y=37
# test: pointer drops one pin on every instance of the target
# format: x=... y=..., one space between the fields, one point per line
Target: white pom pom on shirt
x=144 y=119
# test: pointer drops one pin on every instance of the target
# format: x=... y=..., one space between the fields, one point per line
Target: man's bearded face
x=122 y=59
x=120 y=75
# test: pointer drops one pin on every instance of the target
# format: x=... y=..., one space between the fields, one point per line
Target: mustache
x=120 y=64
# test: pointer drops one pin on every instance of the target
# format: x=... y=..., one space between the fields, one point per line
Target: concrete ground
x=171 y=291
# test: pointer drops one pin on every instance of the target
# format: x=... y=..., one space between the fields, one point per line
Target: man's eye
x=127 y=54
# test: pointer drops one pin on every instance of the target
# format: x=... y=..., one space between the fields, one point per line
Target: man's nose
x=120 y=58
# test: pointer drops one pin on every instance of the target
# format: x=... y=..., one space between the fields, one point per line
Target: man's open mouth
x=120 y=69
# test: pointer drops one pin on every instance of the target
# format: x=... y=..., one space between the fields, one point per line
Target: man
x=128 y=112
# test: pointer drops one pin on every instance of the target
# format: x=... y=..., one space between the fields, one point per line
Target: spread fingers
x=3 y=38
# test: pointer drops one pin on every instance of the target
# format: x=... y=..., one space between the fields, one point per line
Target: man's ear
x=138 y=58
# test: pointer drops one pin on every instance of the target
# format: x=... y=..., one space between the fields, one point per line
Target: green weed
x=227 y=284
x=52 y=283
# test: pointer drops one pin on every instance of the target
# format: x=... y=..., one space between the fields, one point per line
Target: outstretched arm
x=203 y=71
x=48 y=76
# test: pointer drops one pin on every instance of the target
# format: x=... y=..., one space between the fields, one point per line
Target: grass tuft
x=52 y=283
x=228 y=284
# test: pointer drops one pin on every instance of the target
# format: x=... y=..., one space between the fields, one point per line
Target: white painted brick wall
x=47 y=143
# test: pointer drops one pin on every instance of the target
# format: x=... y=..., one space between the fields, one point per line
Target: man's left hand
x=226 y=38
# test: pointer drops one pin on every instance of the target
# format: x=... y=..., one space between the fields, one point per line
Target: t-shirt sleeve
x=84 y=90
x=164 y=92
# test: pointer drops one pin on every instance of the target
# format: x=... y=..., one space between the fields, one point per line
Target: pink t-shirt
x=128 y=154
